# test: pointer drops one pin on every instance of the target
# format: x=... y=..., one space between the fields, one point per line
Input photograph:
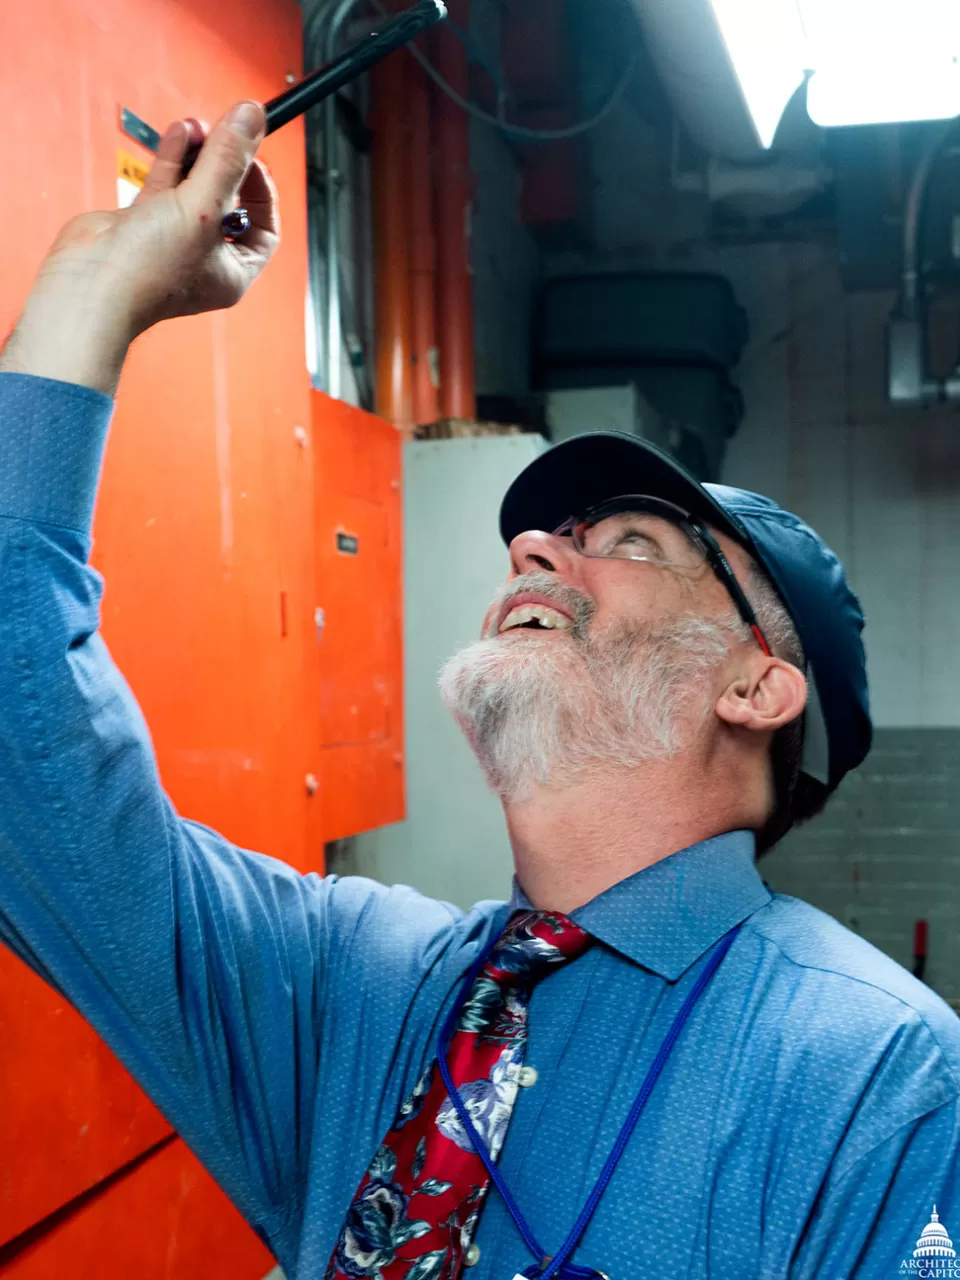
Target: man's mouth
x=534 y=616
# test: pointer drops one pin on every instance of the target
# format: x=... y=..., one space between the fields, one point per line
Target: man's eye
x=635 y=535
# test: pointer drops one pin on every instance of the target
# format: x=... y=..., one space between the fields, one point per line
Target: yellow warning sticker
x=130 y=169
x=131 y=175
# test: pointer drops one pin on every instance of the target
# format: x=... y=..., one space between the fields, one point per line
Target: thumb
x=226 y=156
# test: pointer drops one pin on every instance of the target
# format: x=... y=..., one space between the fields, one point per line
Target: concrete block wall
x=883 y=487
x=886 y=852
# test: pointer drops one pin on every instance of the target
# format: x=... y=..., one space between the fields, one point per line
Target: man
x=647 y=1064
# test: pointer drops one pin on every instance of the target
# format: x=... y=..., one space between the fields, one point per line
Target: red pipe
x=423 y=314
x=394 y=390
x=453 y=202
x=919 y=948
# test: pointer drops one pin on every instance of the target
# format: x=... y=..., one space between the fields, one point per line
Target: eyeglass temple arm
x=744 y=607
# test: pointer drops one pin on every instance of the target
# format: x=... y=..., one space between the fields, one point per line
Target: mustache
x=580 y=607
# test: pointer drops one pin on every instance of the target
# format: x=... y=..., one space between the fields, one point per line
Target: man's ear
x=769 y=695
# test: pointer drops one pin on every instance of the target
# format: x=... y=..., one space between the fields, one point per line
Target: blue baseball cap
x=581 y=472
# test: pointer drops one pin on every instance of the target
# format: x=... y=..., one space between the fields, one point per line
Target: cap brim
x=579 y=473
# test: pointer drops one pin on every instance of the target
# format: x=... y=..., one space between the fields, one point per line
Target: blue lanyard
x=559 y=1263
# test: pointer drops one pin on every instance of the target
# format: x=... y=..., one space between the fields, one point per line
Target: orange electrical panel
x=166 y=1219
x=359 y=593
x=205 y=531
x=69 y=1115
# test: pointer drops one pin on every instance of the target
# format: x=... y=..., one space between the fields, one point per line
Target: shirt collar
x=669 y=914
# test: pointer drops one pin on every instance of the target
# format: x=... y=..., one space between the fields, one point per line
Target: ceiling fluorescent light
x=852 y=95
x=873 y=61
x=882 y=62
x=766 y=45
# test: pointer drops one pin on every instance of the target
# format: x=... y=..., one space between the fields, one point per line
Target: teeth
x=548 y=618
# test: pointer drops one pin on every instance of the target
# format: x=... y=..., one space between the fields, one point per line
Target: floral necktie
x=415 y=1213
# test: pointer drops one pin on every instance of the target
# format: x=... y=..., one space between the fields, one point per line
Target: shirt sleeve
x=898 y=1163
x=212 y=972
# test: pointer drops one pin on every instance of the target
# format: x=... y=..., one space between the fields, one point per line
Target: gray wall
x=886 y=852
x=453 y=844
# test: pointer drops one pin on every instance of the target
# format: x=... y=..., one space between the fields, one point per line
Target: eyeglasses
x=654 y=531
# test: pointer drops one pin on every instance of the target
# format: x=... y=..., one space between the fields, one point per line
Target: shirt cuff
x=52 y=437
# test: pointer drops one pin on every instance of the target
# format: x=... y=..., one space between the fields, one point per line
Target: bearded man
x=646 y=1063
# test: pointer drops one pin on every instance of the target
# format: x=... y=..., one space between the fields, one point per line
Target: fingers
x=258 y=195
x=165 y=170
x=226 y=157
x=198 y=130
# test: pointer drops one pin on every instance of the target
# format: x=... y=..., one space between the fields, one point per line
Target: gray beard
x=545 y=710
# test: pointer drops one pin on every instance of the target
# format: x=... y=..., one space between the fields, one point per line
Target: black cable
x=519 y=131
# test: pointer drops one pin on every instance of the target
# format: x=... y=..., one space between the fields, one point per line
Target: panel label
x=131 y=175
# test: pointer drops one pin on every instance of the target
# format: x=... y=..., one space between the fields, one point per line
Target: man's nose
x=544 y=551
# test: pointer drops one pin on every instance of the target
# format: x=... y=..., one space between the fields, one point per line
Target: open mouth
x=534 y=617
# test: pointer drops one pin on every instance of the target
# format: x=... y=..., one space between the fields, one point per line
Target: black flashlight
x=321 y=84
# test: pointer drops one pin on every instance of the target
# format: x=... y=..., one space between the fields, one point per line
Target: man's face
x=594 y=661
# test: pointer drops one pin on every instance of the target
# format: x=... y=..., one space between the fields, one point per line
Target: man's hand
x=111 y=275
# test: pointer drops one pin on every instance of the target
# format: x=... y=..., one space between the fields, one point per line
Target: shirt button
x=526 y=1077
x=472 y=1256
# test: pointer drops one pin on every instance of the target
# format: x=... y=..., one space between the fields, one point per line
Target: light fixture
x=766 y=45
x=882 y=61
x=884 y=95
x=865 y=61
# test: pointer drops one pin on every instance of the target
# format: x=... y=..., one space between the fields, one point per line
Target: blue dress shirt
x=803 y=1127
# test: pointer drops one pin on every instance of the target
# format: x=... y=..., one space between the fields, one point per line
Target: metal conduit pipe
x=423 y=310
x=322 y=35
x=313 y=57
x=909 y=381
x=911 y=223
x=333 y=185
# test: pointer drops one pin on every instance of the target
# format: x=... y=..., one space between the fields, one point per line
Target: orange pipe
x=453 y=202
x=394 y=383
x=423 y=314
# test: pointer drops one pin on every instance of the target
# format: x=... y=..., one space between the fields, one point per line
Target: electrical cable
x=476 y=53
x=516 y=130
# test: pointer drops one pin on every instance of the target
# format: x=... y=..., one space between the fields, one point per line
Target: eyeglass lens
x=639 y=535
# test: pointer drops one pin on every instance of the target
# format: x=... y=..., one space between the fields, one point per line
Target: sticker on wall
x=348 y=544
x=131 y=175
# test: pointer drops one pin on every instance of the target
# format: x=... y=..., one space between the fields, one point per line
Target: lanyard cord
x=573 y=1239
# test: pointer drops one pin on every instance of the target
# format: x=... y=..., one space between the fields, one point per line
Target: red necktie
x=416 y=1210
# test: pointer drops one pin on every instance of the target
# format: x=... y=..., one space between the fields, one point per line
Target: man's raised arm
x=203 y=966
x=111 y=275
